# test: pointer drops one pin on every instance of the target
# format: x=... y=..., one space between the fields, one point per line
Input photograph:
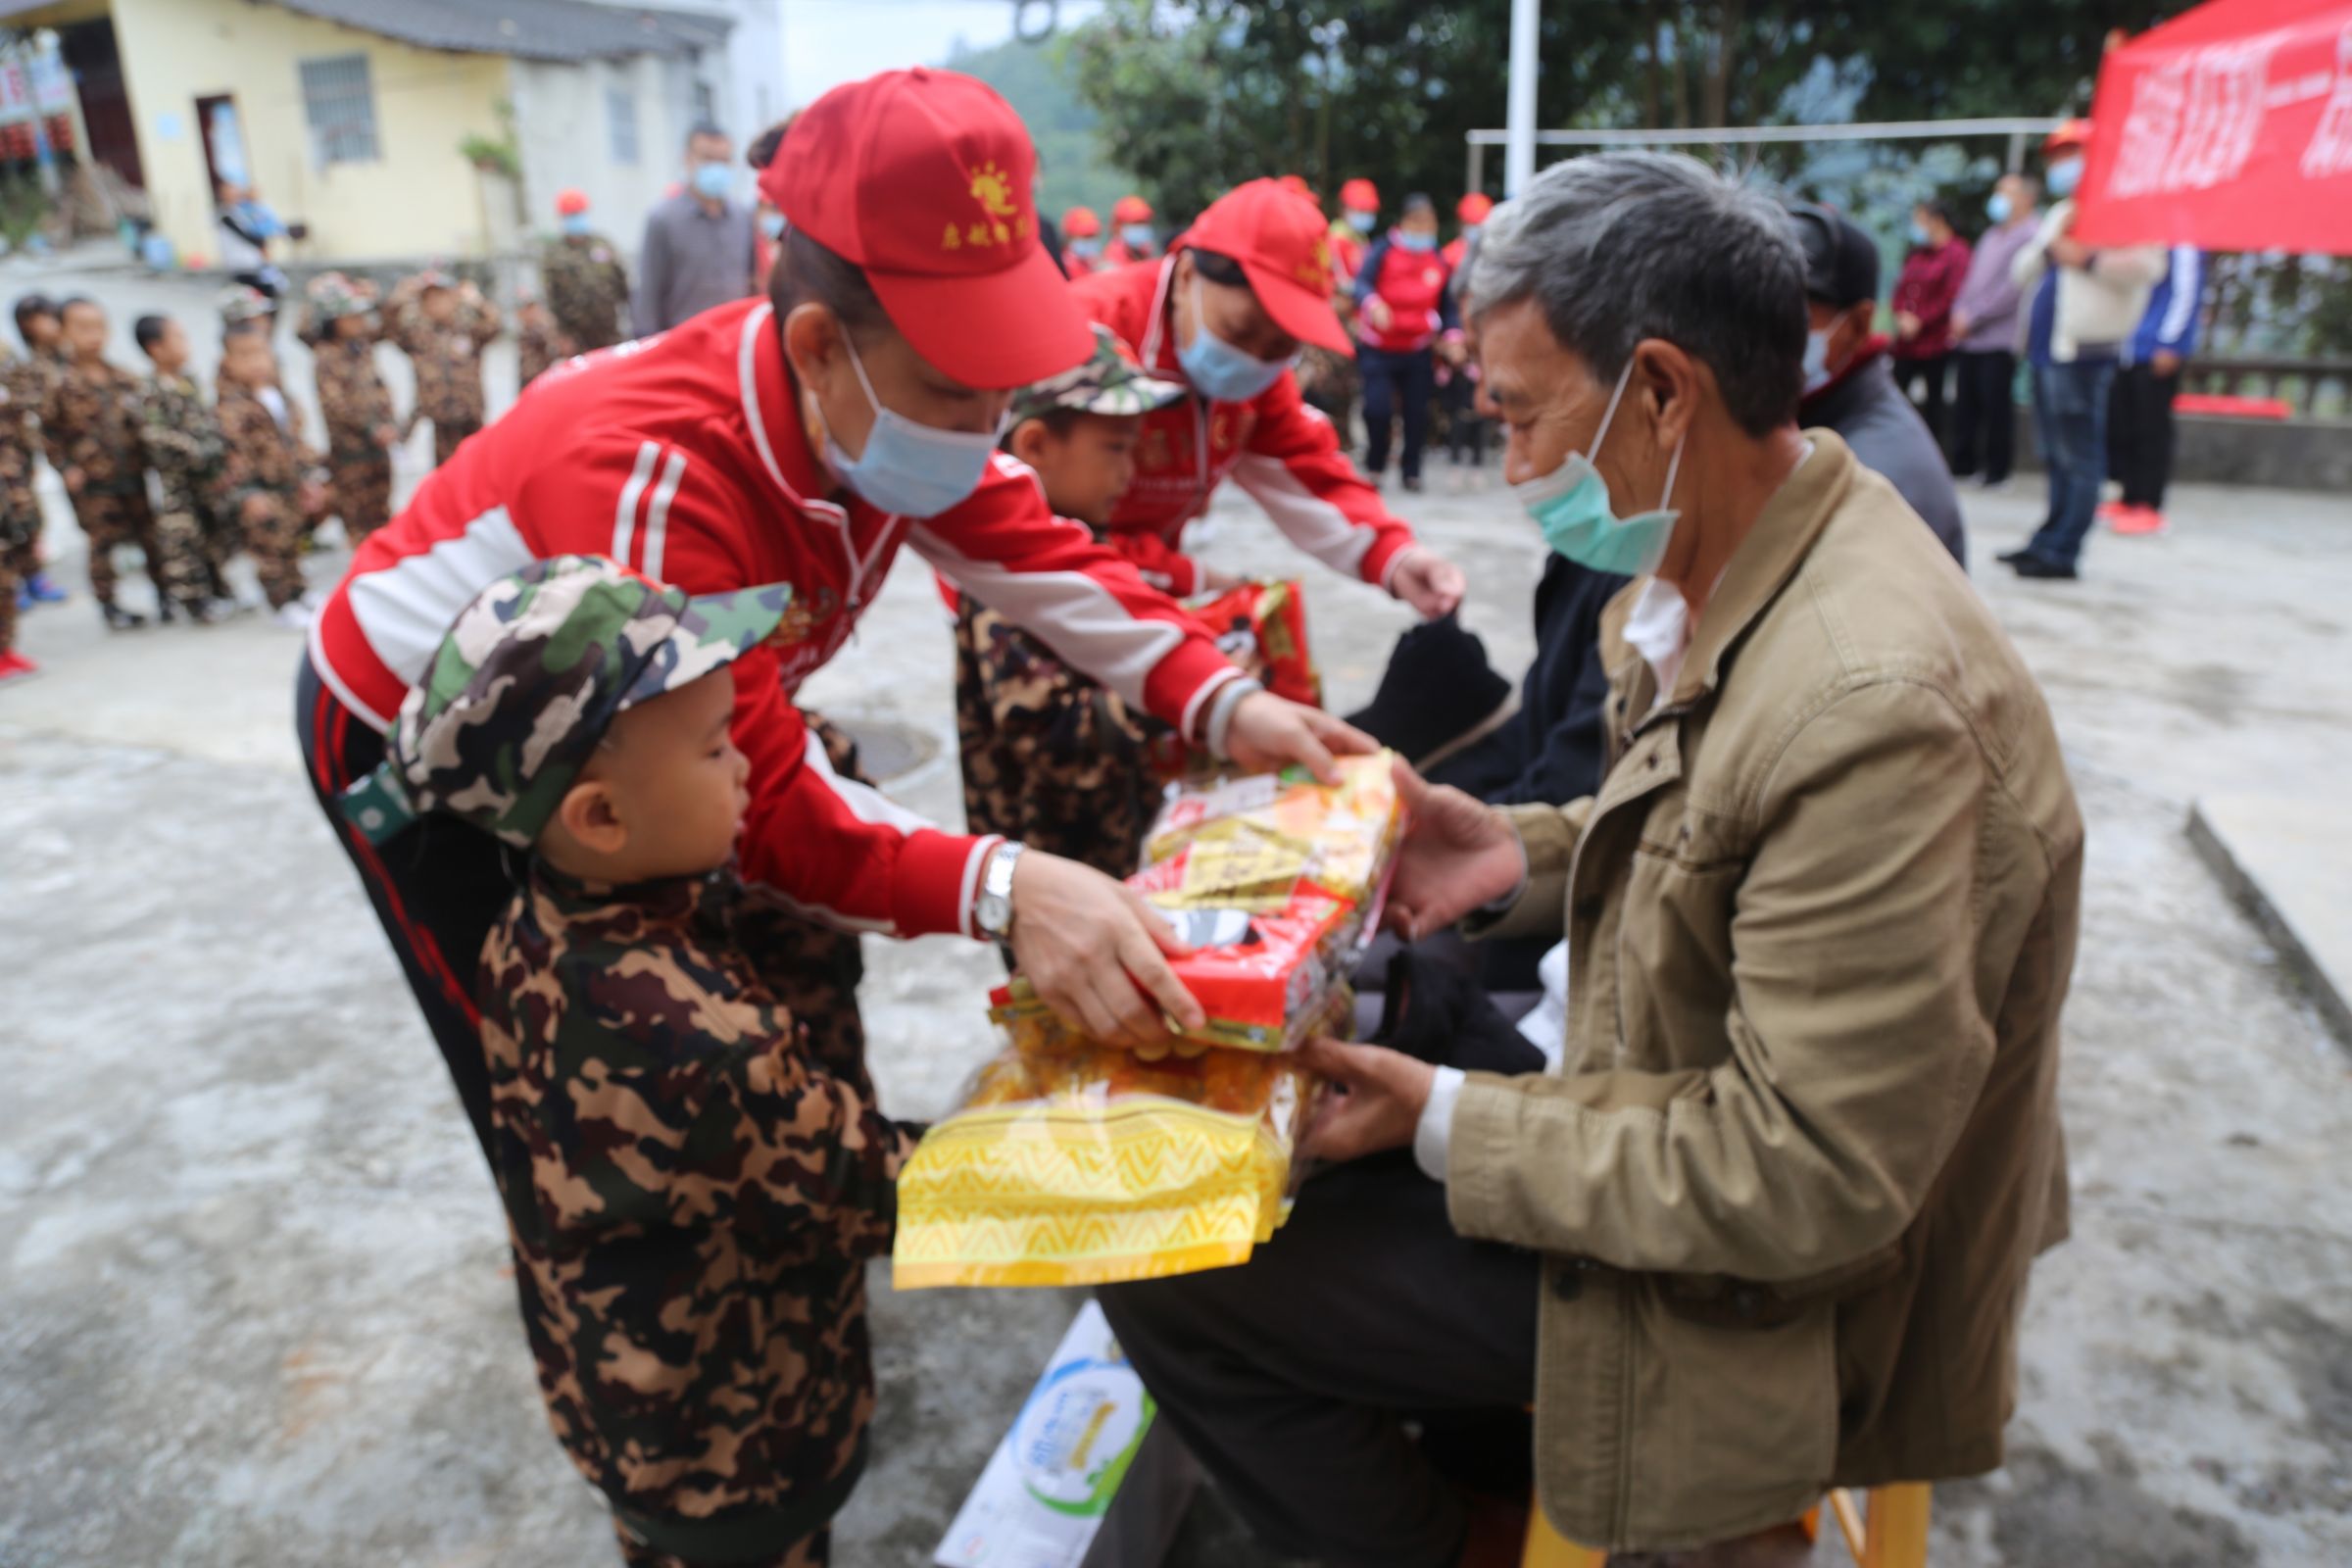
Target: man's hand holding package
x=1459 y=855
x=1378 y=1100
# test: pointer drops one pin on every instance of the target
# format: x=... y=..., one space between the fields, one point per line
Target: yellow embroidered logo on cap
x=1005 y=222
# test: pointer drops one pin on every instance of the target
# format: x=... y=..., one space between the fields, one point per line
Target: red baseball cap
x=2070 y=133
x=924 y=178
x=1474 y=207
x=571 y=199
x=1080 y=222
x=1285 y=250
x=1131 y=209
x=1360 y=196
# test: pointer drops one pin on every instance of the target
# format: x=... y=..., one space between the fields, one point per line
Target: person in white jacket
x=2086 y=304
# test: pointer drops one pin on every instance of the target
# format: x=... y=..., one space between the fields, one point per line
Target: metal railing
x=2316 y=389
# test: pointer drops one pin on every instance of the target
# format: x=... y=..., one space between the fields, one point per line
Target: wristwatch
x=993 y=913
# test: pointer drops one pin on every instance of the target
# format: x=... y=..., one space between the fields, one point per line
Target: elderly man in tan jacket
x=1766 y=1226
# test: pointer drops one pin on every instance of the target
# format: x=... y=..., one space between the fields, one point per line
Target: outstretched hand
x=1269 y=731
x=1459 y=854
x=1378 y=1095
x=1429 y=582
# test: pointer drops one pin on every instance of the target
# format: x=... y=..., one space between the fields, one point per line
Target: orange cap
x=1131 y=209
x=2070 y=133
x=1080 y=222
x=570 y=200
x=1474 y=207
x=1360 y=196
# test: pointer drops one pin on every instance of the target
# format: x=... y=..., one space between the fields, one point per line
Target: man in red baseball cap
x=802 y=438
x=1237 y=297
x=1136 y=240
x=1081 y=241
x=1351 y=232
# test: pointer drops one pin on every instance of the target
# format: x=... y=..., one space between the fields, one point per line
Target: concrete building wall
x=564 y=115
x=417 y=197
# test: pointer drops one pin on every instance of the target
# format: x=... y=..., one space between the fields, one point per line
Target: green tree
x=1035 y=78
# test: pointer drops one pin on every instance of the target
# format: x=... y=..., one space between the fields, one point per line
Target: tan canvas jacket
x=1804 y=1143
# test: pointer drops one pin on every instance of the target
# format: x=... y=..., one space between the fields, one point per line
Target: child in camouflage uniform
x=1049 y=758
x=442 y=326
x=90 y=424
x=184 y=446
x=20 y=514
x=272 y=480
x=342 y=329
x=586 y=287
x=26 y=383
x=692 y=1189
x=538 y=342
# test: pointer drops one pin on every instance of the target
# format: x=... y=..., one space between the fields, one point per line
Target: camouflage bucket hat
x=529 y=678
x=1109 y=382
x=333 y=296
x=242 y=302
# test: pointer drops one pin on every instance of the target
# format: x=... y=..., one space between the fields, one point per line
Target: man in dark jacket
x=1849 y=384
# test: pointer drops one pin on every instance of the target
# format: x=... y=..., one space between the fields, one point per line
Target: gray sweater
x=1886 y=433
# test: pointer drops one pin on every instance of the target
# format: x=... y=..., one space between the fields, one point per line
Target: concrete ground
x=255 y=1305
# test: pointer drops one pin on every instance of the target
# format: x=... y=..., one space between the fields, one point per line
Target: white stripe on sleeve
x=1305 y=519
x=405 y=609
x=863 y=802
x=1078 y=618
x=656 y=513
x=624 y=515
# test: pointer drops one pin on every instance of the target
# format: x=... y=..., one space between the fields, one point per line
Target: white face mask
x=1817 y=360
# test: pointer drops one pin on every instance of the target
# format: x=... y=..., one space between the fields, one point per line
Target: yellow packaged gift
x=1080 y=1164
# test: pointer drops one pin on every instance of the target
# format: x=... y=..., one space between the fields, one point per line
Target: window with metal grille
x=620 y=123
x=705 y=104
x=339 y=103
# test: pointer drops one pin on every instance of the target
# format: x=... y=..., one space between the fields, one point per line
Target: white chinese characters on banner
x=2330 y=150
x=2194 y=123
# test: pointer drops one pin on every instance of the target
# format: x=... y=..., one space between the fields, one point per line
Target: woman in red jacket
x=1402 y=307
x=1924 y=295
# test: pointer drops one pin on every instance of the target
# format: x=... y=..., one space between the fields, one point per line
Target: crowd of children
x=235 y=472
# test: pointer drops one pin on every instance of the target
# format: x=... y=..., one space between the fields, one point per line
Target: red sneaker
x=2138 y=520
x=15 y=664
x=2109 y=510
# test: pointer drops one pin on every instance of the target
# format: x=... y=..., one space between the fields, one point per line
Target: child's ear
x=588 y=813
x=1028 y=442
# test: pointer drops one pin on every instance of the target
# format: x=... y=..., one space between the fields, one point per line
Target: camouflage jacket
x=90 y=421
x=352 y=396
x=261 y=457
x=448 y=357
x=586 y=289
x=537 y=348
x=693 y=1192
x=26 y=379
x=183 y=443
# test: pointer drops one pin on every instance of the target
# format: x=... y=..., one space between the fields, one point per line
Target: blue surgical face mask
x=1416 y=242
x=1470 y=230
x=712 y=181
x=773 y=224
x=1217 y=369
x=1571 y=505
x=1362 y=223
x=1087 y=248
x=1138 y=236
x=2064 y=177
x=573 y=223
x=916 y=471
x=1997 y=207
x=1919 y=232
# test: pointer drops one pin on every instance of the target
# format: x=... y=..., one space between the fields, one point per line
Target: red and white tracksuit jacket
x=684 y=455
x=1284 y=452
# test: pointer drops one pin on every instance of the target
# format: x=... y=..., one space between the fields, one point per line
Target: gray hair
x=1619 y=246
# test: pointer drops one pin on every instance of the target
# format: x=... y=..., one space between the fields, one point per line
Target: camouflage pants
x=1330 y=382
x=1049 y=758
x=20 y=529
x=8 y=598
x=360 y=485
x=275 y=542
x=446 y=437
x=117 y=519
x=814 y=1552
x=185 y=569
